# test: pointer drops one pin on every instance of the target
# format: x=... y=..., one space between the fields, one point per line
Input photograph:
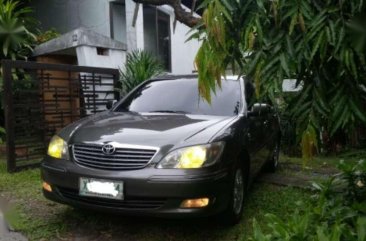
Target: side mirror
x=110 y=104
x=255 y=110
x=259 y=109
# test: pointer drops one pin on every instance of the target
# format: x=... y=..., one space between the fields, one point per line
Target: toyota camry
x=165 y=151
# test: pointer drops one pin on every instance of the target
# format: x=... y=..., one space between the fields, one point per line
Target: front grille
x=91 y=155
x=128 y=203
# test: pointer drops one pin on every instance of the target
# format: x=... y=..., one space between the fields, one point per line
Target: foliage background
x=17 y=38
x=336 y=211
x=16 y=29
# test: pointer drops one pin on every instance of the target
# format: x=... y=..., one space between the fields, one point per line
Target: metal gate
x=40 y=99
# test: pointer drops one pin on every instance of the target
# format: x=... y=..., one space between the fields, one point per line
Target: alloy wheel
x=276 y=153
x=238 y=192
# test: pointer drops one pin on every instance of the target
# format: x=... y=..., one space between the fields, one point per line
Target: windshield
x=181 y=96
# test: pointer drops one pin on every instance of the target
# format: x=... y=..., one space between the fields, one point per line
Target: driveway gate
x=40 y=99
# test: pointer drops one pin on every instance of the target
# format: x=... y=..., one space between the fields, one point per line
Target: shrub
x=47 y=36
x=336 y=212
x=16 y=38
x=140 y=66
x=16 y=30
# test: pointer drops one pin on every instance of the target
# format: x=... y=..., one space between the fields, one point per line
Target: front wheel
x=234 y=211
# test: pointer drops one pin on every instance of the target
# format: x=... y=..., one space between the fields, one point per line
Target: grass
x=40 y=219
x=28 y=209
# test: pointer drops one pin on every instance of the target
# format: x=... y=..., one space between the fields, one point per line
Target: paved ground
x=295 y=176
x=12 y=237
x=6 y=234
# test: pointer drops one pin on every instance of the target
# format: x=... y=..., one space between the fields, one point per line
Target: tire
x=234 y=211
x=272 y=164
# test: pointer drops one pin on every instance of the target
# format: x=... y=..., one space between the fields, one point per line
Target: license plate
x=101 y=188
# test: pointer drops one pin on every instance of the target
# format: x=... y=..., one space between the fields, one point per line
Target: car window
x=181 y=95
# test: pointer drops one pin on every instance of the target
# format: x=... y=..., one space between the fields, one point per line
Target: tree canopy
x=320 y=43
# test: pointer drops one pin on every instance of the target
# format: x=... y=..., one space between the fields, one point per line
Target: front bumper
x=147 y=192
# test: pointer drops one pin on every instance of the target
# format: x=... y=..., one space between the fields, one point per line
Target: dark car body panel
x=250 y=139
x=148 y=183
x=145 y=129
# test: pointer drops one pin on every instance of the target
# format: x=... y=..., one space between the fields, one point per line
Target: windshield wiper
x=169 y=111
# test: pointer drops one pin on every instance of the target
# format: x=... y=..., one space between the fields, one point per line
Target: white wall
x=135 y=35
x=182 y=53
x=67 y=15
x=87 y=56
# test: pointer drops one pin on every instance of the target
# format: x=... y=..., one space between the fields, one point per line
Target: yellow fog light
x=195 y=203
x=47 y=187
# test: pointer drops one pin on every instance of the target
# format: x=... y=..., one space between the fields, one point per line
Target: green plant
x=16 y=30
x=336 y=212
x=16 y=36
x=321 y=44
x=47 y=36
x=140 y=66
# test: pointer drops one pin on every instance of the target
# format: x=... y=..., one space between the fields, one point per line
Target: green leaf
x=257 y=232
x=317 y=44
x=6 y=47
x=293 y=22
x=284 y=64
x=361 y=228
x=358 y=112
x=321 y=234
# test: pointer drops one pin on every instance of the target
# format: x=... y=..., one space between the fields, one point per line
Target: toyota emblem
x=108 y=149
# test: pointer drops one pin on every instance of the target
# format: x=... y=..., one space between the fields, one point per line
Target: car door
x=270 y=129
x=254 y=136
x=254 y=132
x=264 y=141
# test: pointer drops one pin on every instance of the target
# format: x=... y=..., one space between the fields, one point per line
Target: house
x=99 y=33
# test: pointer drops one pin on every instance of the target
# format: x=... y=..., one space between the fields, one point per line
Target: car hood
x=149 y=129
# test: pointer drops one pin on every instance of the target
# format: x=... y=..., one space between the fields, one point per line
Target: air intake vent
x=130 y=203
x=93 y=156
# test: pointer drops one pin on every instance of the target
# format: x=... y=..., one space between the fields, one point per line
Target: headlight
x=193 y=156
x=58 y=148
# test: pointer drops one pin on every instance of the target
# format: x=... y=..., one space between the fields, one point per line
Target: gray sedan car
x=164 y=151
